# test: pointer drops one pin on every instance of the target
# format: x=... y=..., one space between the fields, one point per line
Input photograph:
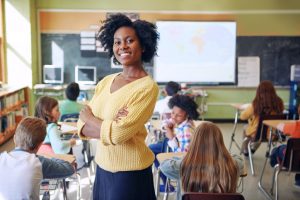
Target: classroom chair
x=212 y=196
x=86 y=151
x=290 y=164
x=261 y=135
x=73 y=117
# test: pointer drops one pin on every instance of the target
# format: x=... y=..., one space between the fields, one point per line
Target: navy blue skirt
x=126 y=185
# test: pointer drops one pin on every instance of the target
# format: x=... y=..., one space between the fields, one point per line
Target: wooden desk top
x=68 y=127
x=240 y=106
x=274 y=123
x=164 y=156
x=66 y=157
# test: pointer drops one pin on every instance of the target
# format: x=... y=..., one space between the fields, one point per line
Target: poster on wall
x=248 y=71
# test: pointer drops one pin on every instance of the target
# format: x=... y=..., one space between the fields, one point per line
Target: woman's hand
x=123 y=112
x=169 y=130
x=86 y=113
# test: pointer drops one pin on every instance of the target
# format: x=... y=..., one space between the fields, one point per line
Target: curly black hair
x=187 y=104
x=145 y=31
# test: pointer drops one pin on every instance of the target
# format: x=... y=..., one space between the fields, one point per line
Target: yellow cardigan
x=121 y=146
x=248 y=114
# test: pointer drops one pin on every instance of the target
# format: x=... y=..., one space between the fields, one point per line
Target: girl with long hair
x=266 y=102
x=207 y=166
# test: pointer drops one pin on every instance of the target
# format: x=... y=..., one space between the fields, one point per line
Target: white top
x=162 y=107
x=13 y=181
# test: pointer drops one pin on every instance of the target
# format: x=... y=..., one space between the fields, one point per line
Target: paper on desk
x=65 y=128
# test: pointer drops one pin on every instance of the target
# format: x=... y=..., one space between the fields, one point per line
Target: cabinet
x=14 y=104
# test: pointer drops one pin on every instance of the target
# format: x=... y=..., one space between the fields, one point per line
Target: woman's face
x=127 y=48
x=178 y=115
x=55 y=113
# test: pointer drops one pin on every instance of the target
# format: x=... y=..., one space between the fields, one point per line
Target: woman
x=266 y=102
x=207 y=166
x=122 y=104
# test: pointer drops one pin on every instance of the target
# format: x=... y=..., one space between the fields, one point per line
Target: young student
x=278 y=153
x=47 y=109
x=21 y=170
x=266 y=102
x=207 y=166
x=69 y=105
x=161 y=106
x=179 y=128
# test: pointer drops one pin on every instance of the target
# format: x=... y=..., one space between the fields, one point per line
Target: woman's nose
x=123 y=45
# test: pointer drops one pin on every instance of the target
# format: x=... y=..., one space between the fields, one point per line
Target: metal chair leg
x=157 y=182
x=166 y=195
x=273 y=179
x=250 y=159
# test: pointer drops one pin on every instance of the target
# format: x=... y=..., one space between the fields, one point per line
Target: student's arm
x=56 y=168
x=247 y=113
x=239 y=163
x=291 y=129
x=58 y=145
x=171 y=168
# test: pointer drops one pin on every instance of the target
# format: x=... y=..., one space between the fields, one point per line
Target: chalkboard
x=277 y=54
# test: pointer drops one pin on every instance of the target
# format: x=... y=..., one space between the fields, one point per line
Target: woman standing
x=122 y=104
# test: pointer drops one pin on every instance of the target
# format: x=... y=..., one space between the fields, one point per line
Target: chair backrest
x=212 y=196
x=292 y=155
x=72 y=117
x=262 y=130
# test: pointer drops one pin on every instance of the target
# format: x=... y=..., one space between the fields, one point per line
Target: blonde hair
x=208 y=166
x=30 y=133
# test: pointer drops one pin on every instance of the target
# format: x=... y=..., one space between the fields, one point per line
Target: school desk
x=272 y=124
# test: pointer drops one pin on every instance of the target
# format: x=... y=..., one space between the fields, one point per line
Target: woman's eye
x=116 y=42
x=129 y=41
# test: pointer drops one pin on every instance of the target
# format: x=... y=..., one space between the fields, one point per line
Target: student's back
x=70 y=105
x=21 y=173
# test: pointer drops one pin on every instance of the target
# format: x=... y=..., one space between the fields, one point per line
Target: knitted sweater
x=121 y=146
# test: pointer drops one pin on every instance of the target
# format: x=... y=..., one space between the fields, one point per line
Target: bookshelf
x=13 y=108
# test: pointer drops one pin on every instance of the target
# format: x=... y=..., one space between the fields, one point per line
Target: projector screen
x=196 y=52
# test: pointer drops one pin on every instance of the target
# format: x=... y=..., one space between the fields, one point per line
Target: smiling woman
x=116 y=115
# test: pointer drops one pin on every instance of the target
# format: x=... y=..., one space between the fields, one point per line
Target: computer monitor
x=53 y=74
x=85 y=75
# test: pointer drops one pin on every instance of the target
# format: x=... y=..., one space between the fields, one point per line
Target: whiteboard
x=196 y=52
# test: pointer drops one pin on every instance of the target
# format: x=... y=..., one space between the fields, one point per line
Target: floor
x=251 y=191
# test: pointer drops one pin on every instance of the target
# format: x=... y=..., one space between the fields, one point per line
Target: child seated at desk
x=69 y=105
x=21 y=170
x=207 y=166
x=278 y=153
x=171 y=89
x=47 y=109
x=179 y=128
x=266 y=102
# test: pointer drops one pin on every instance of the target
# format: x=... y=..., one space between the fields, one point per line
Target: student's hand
x=280 y=126
x=72 y=142
x=86 y=113
x=123 y=112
